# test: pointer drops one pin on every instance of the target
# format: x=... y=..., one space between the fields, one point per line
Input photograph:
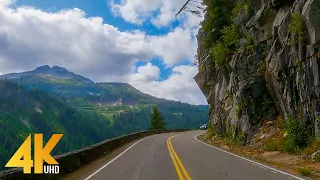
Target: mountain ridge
x=55 y=71
x=54 y=100
x=108 y=98
x=60 y=76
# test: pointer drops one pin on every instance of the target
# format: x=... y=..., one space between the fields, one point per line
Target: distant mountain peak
x=42 y=68
x=57 y=68
x=56 y=71
x=47 y=68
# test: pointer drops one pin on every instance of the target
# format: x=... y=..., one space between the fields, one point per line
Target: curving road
x=175 y=156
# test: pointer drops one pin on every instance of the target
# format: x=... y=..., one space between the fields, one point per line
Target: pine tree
x=157 y=121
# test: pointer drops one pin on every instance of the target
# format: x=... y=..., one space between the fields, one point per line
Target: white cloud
x=30 y=37
x=4 y=3
x=146 y=73
x=68 y=38
x=175 y=47
x=167 y=12
x=134 y=11
x=159 y=12
x=162 y=13
x=179 y=86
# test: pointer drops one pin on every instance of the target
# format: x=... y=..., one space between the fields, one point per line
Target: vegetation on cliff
x=258 y=63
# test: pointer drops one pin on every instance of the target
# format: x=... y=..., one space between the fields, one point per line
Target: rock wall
x=278 y=75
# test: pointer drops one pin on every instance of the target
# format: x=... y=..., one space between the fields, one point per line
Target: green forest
x=24 y=112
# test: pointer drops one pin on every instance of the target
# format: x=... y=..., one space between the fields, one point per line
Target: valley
x=54 y=100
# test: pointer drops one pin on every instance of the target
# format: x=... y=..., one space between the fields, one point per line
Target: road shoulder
x=280 y=161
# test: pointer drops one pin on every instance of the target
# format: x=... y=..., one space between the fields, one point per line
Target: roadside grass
x=305 y=171
x=317 y=158
x=313 y=147
x=285 y=144
x=272 y=151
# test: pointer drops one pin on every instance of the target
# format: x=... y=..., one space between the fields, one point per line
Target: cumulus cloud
x=4 y=3
x=30 y=37
x=68 y=38
x=134 y=11
x=159 y=12
x=146 y=74
x=167 y=12
x=179 y=86
x=180 y=41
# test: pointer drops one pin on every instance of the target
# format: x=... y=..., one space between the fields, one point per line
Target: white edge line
x=114 y=159
x=296 y=177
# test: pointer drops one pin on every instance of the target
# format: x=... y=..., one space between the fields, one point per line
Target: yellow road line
x=174 y=162
x=179 y=161
x=176 y=157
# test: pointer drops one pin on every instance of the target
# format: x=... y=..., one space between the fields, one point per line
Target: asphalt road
x=175 y=156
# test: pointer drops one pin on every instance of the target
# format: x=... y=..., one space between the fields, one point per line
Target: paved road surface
x=174 y=156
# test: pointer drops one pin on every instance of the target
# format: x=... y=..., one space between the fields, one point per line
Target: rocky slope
x=273 y=71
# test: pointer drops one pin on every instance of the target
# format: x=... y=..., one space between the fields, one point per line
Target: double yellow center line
x=181 y=170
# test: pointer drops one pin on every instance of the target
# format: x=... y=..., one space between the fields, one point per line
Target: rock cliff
x=272 y=71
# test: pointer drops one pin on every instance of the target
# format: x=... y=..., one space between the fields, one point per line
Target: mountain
x=26 y=112
x=108 y=99
x=62 y=83
x=55 y=71
x=54 y=100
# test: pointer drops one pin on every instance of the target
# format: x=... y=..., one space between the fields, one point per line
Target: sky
x=138 y=42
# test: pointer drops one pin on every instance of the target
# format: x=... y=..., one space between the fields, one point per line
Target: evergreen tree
x=157 y=121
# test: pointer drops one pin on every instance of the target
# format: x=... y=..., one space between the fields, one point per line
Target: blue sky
x=99 y=8
x=141 y=43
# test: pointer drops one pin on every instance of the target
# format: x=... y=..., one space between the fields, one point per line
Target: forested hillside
x=115 y=101
x=24 y=112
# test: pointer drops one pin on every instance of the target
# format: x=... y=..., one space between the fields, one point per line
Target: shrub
x=305 y=171
x=219 y=17
x=241 y=6
x=220 y=53
x=317 y=158
x=296 y=26
x=249 y=40
x=240 y=138
x=272 y=146
x=230 y=36
x=211 y=130
x=229 y=134
x=289 y=146
x=299 y=135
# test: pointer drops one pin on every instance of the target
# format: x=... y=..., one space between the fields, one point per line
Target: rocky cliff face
x=277 y=75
